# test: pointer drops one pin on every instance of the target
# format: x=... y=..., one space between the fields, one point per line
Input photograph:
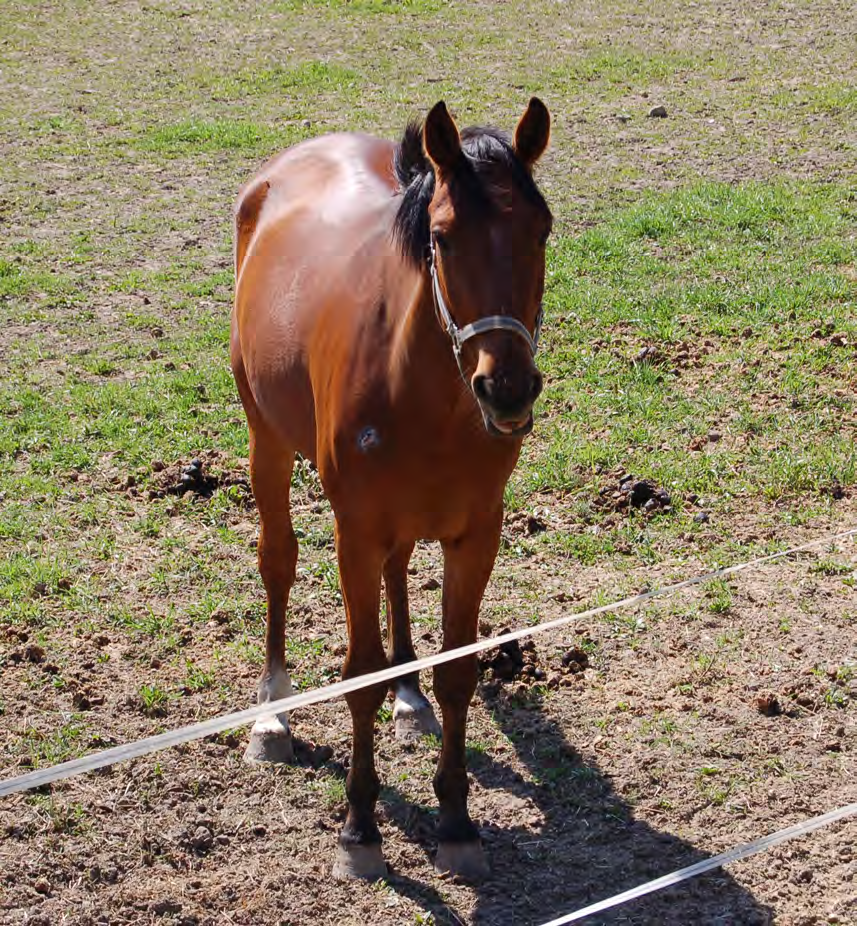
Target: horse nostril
x=538 y=383
x=481 y=388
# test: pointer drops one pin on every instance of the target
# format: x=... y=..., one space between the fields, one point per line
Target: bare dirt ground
x=634 y=744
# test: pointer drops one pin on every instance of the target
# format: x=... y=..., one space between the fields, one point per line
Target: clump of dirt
x=504 y=663
x=200 y=477
x=512 y=661
x=526 y=523
x=673 y=357
x=631 y=492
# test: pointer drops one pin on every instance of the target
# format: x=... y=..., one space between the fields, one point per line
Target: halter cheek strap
x=490 y=323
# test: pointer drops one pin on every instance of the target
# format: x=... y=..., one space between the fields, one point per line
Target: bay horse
x=387 y=309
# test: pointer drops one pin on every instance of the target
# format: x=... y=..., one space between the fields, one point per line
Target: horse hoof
x=270 y=741
x=464 y=859
x=363 y=862
x=412 y=726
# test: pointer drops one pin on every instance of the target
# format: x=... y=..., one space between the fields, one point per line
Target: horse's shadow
x=573 y=842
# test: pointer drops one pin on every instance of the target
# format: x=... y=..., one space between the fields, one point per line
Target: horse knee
x=278 y=558
x=455 y=683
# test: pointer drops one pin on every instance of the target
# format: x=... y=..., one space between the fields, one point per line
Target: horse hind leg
x=412 y=712
x=270 y=475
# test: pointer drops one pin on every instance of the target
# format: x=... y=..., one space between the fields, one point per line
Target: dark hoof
x=270 y=741
x=363 y=862
x=464 y=859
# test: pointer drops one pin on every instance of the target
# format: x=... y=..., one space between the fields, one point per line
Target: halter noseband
x=490 y=323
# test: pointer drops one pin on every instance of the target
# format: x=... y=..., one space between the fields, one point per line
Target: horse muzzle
x=506 y=402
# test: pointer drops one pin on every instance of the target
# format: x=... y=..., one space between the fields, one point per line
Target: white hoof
x=270 y=741
x=414 y=717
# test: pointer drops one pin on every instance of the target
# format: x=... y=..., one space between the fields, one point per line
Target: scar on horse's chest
x=368 y=439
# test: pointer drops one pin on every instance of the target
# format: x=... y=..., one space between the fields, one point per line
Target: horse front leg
x=467 y=566
x=360 y=563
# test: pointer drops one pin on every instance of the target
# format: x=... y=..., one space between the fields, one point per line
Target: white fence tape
x=135 y=750
x=692 y=871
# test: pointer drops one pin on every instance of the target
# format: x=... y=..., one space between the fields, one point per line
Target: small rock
x=306 y=123
x=42 y=886
x=34 y=653
x=80 y=702
x=202 y=839
x=641 y=493
x=767 y=703
x=701 y=518
x=504 y=667
x=535 y=525
x=658 y=112
x=576 y=657
x=430 y=585
x=714 y=437
x=647 y=355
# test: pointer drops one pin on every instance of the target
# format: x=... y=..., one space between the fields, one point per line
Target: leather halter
x=490 y=323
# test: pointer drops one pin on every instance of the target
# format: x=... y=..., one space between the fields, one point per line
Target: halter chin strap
x=490 y=323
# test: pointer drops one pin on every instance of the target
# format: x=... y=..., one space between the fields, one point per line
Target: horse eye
x=440 y=240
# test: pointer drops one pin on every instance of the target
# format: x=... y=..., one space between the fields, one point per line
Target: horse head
x=488 y=225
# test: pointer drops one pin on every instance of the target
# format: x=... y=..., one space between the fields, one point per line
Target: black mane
x=484 y=149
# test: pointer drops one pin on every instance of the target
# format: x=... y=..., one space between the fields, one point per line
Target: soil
x=600 y=757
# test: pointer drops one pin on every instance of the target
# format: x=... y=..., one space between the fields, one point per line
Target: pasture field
x=700 y=335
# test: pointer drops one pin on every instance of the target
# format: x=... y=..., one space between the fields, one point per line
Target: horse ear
x=533 y=132
x=441 y=139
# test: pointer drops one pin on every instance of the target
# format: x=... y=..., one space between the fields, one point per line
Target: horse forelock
x=488 y=171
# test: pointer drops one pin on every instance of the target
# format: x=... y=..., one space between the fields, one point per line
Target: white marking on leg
x=276 y=685
x=409 y=701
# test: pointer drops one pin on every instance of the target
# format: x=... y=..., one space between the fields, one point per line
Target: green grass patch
x=205 y=136
x=358 y=7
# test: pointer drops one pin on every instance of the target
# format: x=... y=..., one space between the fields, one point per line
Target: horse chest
x=414 y=484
